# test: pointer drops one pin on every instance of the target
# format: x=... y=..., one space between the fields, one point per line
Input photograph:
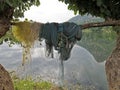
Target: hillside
x=85 y=19
x=99 y=41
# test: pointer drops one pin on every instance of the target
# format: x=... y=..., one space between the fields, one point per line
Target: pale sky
x=49 y=11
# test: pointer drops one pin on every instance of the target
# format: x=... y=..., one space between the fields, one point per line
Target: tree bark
x=113 y=67
x=102 y=24
x=4 y=26
x=5 y=80
x=5 y=17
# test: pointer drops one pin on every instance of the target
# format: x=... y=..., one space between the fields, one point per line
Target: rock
x=5 y=80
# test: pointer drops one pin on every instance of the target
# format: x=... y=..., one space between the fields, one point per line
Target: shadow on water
x=81 y=68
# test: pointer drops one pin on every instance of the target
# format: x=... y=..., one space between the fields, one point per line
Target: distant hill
x=98 y=41
x=85 y=19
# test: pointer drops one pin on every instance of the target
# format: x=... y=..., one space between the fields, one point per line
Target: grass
x=39 y=84
x=32 y=85
x=27 y=84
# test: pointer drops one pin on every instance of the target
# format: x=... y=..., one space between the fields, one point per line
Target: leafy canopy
x=108 y=9
x=19 y=6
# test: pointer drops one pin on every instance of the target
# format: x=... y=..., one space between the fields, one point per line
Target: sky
x=49 y=11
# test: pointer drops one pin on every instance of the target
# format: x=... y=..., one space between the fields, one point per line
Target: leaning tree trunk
x=113 y=67
x=5 y=16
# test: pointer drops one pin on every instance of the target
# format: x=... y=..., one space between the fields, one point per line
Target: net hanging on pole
x=60 y=36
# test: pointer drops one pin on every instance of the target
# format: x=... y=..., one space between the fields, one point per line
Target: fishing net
x=61 y=37
x=58 y=36
x=26 y=33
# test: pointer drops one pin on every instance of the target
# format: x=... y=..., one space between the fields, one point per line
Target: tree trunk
x=5 y=80
x=113 y=67
x=5 y=17
x=4 y=26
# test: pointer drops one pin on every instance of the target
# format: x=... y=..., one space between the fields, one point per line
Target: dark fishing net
x=61 y=37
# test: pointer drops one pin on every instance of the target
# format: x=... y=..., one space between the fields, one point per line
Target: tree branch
x=90 y=25
x=101 y=24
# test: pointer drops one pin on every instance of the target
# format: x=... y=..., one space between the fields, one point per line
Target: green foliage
x=31 y=85
x=38 y=84
x=101 y=8
x=99 y=41
x=9 y=38
x=19 y=6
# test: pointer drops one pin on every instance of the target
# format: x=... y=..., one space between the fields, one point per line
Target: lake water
x=80 y=68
